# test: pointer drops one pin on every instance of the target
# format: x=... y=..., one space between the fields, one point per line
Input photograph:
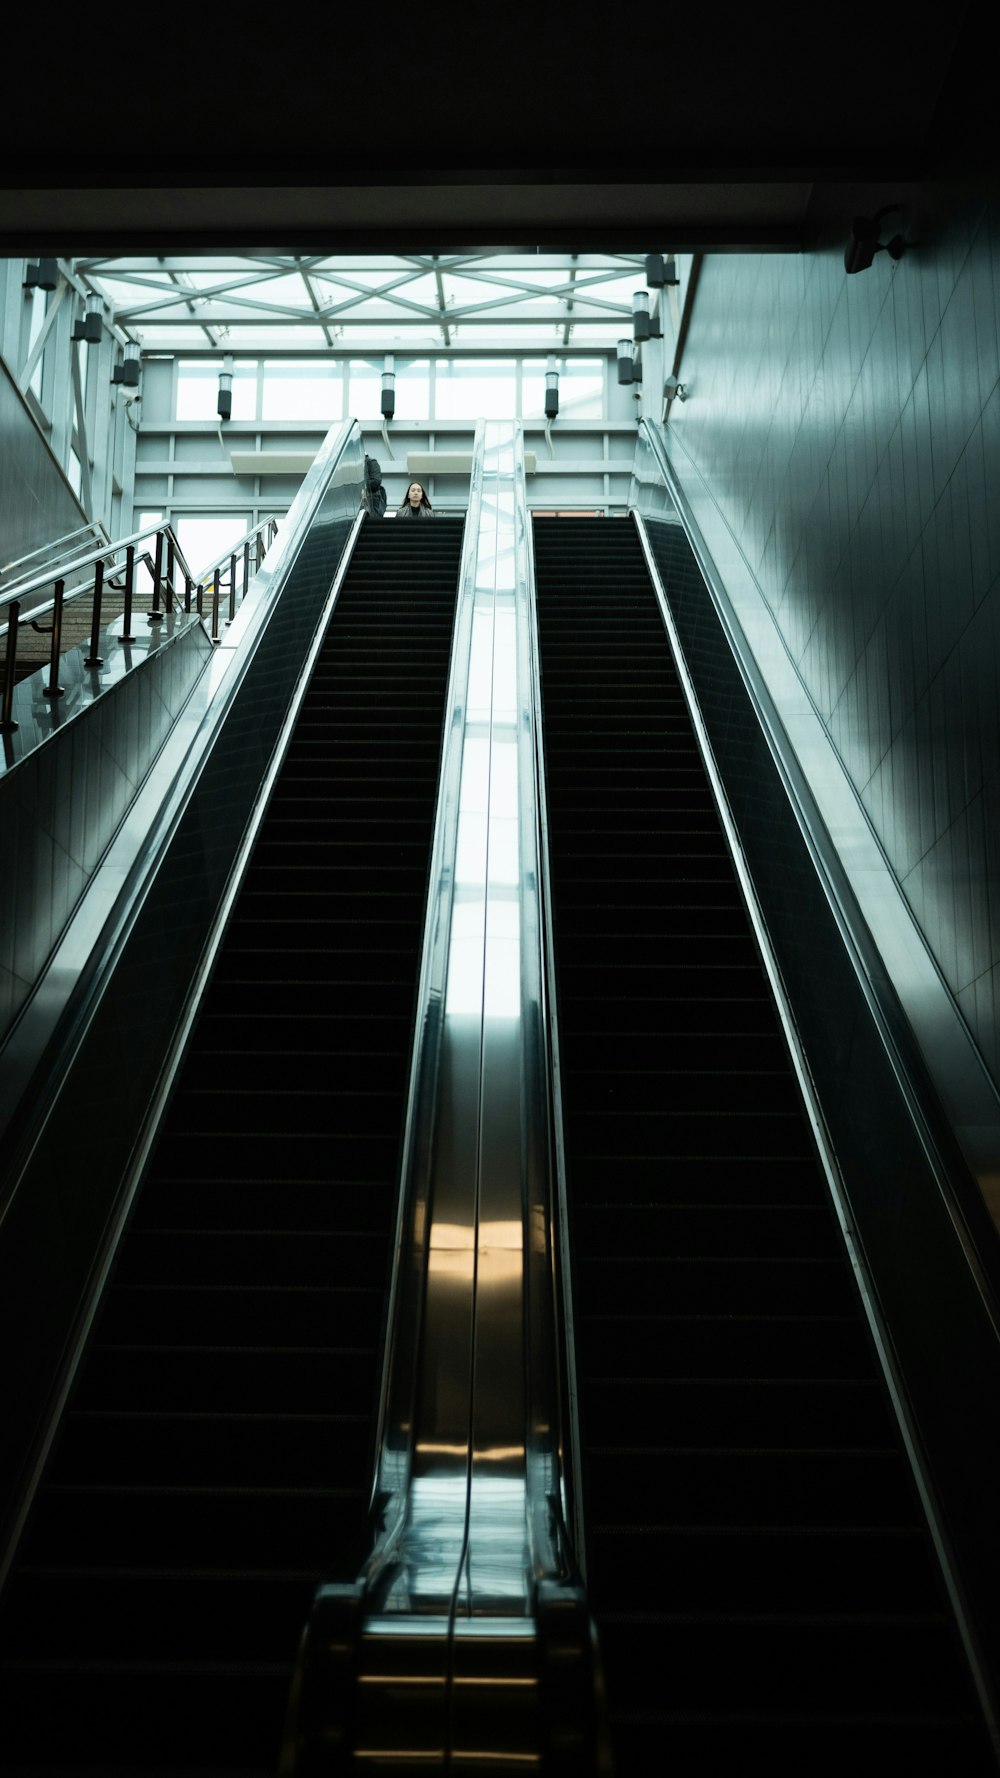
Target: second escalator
x=217 y=1451
x=757 y=1558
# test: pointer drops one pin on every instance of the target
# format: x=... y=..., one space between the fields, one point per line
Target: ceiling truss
x=241 y=301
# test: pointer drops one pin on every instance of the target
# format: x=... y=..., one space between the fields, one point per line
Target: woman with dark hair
x=415 y=504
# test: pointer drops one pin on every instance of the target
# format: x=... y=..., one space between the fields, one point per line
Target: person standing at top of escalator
x=373 y=495
x=415 y=504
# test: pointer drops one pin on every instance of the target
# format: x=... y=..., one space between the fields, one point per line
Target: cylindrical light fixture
x=41 y=275
x=89 y=325
x=224 y=405
x=641 y=325
x=551 y=388
x=626 y=368
x=656 y=275
x=48 y=274
x=127 y=373
x=388 y=387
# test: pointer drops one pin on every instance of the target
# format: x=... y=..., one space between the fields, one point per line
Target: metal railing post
x=94 y=659
x=215 y=607
x=156 y=615
x=54 y=689
x=187 y=593
x=129 y=585
x=7 y=723
x=232 y=589
x=169 y=588
x=246 y=566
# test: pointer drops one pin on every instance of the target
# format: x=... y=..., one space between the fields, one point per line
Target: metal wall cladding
x=61 y=804
x=36 y=502
x=849 y=430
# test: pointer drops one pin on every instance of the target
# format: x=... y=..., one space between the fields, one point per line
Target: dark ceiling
x=330 y=130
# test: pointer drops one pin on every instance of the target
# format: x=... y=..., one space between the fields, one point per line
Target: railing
x=113 y=569
x=221 y=575
x=12 y=573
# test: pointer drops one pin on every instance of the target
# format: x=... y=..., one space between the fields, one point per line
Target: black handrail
x=107 y=566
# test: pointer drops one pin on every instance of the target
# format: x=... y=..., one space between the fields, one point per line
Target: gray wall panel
x=36 y=501
x=849 y=428
x=61 y=804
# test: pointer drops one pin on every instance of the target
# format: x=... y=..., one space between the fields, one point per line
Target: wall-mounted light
x=389 y=387
x=551 y=388
x=89 y=325
x=673 y=390
x=863 y=241
x=660 y=272
x=127 y=373
x=224 y=404
x=626 y=366
x=43 y=276
x=642 y=324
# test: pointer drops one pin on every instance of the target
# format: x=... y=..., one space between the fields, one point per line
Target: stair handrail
x=255 y=536
x=115 y=565
x=52 y=549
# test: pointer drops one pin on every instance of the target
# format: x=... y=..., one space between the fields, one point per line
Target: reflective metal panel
x=942 y=1035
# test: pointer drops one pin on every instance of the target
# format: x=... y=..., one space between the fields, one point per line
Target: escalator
x=757 y=1557
x=217 y=1451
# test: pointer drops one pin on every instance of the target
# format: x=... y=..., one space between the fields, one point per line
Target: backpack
x=375 y=495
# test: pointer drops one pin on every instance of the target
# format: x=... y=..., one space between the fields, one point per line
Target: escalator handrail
x=397 y=1404
x=553 y=1463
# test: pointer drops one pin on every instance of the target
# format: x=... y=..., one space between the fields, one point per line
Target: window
x=413 y=390
x=205 y=536
x=39 y=303
x=581 y=389
x=198 y=389
x=475 y=389
x=303 y=390
x=364 y=389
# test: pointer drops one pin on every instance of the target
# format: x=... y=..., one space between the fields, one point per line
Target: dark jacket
x=406 y=512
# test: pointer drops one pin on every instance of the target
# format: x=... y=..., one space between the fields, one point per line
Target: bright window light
x=198 y=389
x=303 y=391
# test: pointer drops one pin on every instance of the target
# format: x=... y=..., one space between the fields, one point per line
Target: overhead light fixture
x=863 y=241
x=551 y=388
x=127 y=373
x=389 y=387
x=41 y=276
x=224 y=404
x=642 y=323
